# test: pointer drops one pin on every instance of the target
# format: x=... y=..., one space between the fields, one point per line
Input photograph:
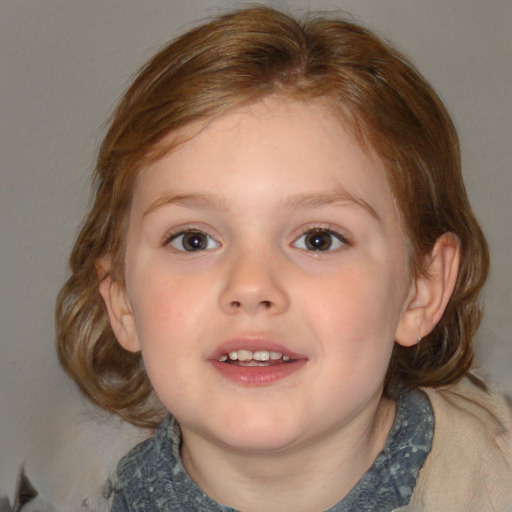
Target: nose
x=253 y=285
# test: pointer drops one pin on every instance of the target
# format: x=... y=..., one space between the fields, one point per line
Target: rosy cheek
x=355 y=305
x=165 y=303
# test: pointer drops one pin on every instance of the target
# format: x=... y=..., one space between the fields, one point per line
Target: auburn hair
x=235 y=60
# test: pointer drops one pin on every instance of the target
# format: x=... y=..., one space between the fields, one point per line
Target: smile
x=245 y=357
x=256 y=361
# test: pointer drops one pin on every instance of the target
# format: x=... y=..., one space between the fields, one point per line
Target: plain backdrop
x=64 y=63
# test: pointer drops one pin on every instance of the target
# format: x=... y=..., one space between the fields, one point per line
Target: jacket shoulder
x=470 y=465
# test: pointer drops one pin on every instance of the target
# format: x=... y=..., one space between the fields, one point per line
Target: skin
x=254 y=187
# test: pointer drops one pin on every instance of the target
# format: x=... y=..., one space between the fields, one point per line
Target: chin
x=260 y=434
x=259 y=444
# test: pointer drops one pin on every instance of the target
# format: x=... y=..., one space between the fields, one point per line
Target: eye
x=191 y=241
x=320 y=240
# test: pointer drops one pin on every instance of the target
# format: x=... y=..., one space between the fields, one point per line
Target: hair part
x=236 y=60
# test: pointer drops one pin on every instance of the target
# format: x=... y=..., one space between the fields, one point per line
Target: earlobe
x=118 y=307
x=430 y=292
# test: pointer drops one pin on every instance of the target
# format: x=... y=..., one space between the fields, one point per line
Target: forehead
x=297 y=146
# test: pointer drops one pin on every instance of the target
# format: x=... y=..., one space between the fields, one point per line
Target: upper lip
x=254 y=343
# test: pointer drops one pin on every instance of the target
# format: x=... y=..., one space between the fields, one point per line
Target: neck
x=313 y=476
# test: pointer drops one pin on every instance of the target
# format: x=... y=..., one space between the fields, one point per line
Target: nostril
x=265 y=304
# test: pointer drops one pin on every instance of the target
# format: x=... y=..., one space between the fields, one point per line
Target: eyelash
x=337 y=238
x=175 y=235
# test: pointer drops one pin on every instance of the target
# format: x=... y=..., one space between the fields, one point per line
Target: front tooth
x=245 y=355
x=275 y=356
x=233 y=355
x=223 y=358
x=286 y=358
x=261 y=355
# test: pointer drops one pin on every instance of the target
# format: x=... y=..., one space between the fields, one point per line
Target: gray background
x=63 y=64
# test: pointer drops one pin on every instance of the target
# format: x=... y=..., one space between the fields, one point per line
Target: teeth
x=245 y=355
x=258 y=355
x=261 y=355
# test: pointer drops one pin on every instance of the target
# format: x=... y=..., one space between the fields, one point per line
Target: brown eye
x=319 y=240
x=191 y=241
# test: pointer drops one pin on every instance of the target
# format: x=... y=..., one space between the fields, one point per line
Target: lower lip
x=258 y=375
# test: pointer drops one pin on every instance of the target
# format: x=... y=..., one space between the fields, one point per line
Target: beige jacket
x=470 y=466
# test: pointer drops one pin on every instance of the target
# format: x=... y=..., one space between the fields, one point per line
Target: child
x=281 y=254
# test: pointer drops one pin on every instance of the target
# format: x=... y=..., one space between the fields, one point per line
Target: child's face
x=269 y=232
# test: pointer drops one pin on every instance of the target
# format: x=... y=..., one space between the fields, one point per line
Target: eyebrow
x=321 y=200
x=194 y=201
x=295 y=201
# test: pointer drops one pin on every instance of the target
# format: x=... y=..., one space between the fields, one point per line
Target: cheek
x=166 y=307
x=166 y=312
x=361 y=305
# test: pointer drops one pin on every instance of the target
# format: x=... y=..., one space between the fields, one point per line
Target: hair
x=235 y=60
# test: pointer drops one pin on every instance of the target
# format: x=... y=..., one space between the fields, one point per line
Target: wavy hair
x=235 y=60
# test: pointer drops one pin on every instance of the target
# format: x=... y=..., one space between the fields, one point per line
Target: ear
x=119 y=308
x=429 y=293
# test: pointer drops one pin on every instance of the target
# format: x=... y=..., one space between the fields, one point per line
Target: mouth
x=244 y=357
x=256 y=362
